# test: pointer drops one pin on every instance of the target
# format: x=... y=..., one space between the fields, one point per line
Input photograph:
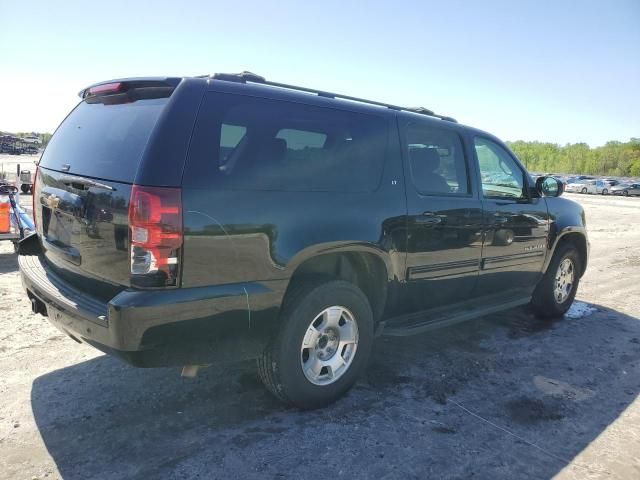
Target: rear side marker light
x=156 y=236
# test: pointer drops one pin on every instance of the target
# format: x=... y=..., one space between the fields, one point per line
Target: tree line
x=619 y=159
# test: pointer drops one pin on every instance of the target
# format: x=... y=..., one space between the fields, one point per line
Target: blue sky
x=558 y=71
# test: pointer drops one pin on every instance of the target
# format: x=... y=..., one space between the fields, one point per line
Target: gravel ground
x=501 y=397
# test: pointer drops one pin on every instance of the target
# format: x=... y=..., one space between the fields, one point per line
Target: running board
x=420 y=322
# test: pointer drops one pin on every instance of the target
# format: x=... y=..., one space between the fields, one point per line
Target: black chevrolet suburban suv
x=190 y=221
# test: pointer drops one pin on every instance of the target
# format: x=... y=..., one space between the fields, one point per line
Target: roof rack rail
x=244 y=77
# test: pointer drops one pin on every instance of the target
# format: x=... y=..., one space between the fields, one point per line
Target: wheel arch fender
x=577 y=236
x=366 y=265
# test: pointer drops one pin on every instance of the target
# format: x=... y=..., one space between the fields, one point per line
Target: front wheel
x=605 y=191
x=557 y=289
x=625 y=193
x=584 y=190
x=323 y=343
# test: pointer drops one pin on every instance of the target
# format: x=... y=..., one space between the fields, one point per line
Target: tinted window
x=259 y=144
x=501 y=176
x=436 y=161
x=230 y=137
x=301 y=139
x=104 y=141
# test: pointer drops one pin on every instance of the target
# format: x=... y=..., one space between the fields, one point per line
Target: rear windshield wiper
x=84 y=183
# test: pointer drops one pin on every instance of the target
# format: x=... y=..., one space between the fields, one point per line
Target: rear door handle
x=429 y=218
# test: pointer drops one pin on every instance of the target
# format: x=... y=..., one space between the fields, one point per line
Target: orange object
x=5 y=223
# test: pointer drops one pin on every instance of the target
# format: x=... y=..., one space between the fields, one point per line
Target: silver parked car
x=626 y=189
x=603 y=187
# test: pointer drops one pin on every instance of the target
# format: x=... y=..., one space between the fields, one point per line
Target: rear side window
x=436 y=160
x=301 y=139
x=104 y=141
x=251 y=143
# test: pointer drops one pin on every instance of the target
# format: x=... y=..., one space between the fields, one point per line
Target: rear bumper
x=157 y=327
x=9 y=236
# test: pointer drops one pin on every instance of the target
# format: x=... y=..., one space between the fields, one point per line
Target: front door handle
x=429 y=218
x=500 y=219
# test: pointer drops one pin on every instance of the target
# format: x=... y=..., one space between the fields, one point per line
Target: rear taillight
x=33 y=199
x=155 y=234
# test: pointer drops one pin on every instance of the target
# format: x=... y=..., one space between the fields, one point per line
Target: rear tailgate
x=84 y=183
x=83 y=226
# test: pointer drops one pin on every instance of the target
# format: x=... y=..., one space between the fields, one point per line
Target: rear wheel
x=584 y=190
x=324 y=342
x=557 y=289
x=625 y=193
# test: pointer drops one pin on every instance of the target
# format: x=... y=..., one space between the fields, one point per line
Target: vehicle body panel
x=266 y=234
x=566 y=217
x=515 y=233
x=444 y=237
x=83 y=228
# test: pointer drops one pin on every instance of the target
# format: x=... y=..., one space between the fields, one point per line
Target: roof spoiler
x=131 y=89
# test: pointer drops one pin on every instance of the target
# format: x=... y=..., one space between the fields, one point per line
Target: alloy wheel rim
x=564 y=280
x=329 y=345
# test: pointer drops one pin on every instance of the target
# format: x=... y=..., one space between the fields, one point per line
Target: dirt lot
x=502 y=397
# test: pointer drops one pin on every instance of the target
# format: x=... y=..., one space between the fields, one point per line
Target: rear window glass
x=259 y=144
x=436 y=160
x=104 y=141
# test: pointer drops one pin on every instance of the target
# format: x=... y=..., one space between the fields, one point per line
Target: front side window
x=263 y=144
x=501 y=176
x=436 y=161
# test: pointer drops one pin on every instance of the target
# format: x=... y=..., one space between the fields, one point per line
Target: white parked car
x=583 y=186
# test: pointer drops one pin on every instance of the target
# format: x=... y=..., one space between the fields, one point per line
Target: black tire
x=605 y=191
x=25 y=188
x=625 y=193
x=544 y=302
x=584 y=190
x=280 y=367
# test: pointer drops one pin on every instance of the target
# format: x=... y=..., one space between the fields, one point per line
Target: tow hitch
x=38 y=307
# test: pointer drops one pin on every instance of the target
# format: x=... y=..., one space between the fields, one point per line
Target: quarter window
x=301 y=139
x=230 y=137
x=501 y=176
x=263 y=144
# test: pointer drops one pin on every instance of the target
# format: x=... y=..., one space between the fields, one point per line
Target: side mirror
x=549 y=186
